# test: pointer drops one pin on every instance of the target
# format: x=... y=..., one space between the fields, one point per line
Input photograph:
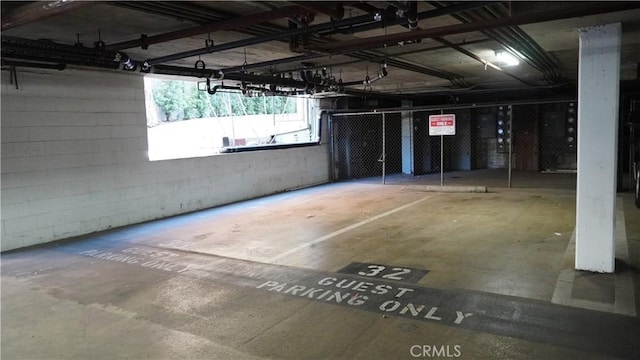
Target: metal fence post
x=384 y=149
x=441 y=160
x=332 y=148
x=510 y=112
x=441 y=155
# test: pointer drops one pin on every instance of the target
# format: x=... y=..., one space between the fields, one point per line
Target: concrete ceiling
x=426 y=67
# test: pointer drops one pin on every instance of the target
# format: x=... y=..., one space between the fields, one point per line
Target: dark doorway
x=525 y=133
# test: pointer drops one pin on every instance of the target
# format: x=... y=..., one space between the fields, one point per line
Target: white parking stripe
x=275 y=259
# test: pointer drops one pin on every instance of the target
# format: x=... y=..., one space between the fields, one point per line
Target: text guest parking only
x=371 y=295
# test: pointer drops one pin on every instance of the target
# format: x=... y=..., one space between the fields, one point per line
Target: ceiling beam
x=394 y=20
x=349 y=22
x=196 y=13
x=334 y=10
x=368 y=8
x=519 y=19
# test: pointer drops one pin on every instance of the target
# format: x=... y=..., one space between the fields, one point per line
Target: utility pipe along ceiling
x=427 y=51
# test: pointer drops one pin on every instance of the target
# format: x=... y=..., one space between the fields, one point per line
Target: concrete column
x=407 y=138
x=598 y=82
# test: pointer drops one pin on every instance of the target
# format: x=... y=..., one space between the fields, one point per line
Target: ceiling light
x=506 y=59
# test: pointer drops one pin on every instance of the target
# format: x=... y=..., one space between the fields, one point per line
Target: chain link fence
x=494 y=146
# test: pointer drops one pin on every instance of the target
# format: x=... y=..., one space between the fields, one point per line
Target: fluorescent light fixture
x=506 y=59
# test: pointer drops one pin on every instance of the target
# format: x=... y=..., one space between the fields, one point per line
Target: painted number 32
x=379 y=271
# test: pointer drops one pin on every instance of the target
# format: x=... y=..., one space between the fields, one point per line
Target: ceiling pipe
x=507 y=41
x=229 y=24
x=310 y=83
x=212 y=90
x=245 y=89
x=262 y=79
x=382 y=73
x=58 y=67
x=527 y=40
x=554 y=70
x=369 y=18
x=49 y=51
x=412 y=15
x=182 y=71
x=99 y=63
x=519 y=19
x=40 y=10
x=216 y=74
x=455 y=79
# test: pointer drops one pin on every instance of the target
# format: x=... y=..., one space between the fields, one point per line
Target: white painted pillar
x=407 y=138
x=598 y=82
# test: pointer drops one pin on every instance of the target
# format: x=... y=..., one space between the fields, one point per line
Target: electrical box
x=486 y=126
x=503 y=128
x=553 y=124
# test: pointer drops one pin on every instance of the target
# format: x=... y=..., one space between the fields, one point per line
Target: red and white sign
x=442 y=124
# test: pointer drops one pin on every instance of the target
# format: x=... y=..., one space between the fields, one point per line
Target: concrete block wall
x=495 y=159
x=74 y=161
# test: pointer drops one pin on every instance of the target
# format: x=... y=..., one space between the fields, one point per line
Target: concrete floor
x=354 y=270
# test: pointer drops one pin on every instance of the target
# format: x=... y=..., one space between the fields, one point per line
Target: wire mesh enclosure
x=530 y=138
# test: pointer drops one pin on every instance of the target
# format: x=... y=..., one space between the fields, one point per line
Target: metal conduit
x=501 y=36
x=38 y=65
x=537 y=48
x=529 y=50
x=481 y=60
x=47 y=51
x=522 y=39
x=503 y=39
